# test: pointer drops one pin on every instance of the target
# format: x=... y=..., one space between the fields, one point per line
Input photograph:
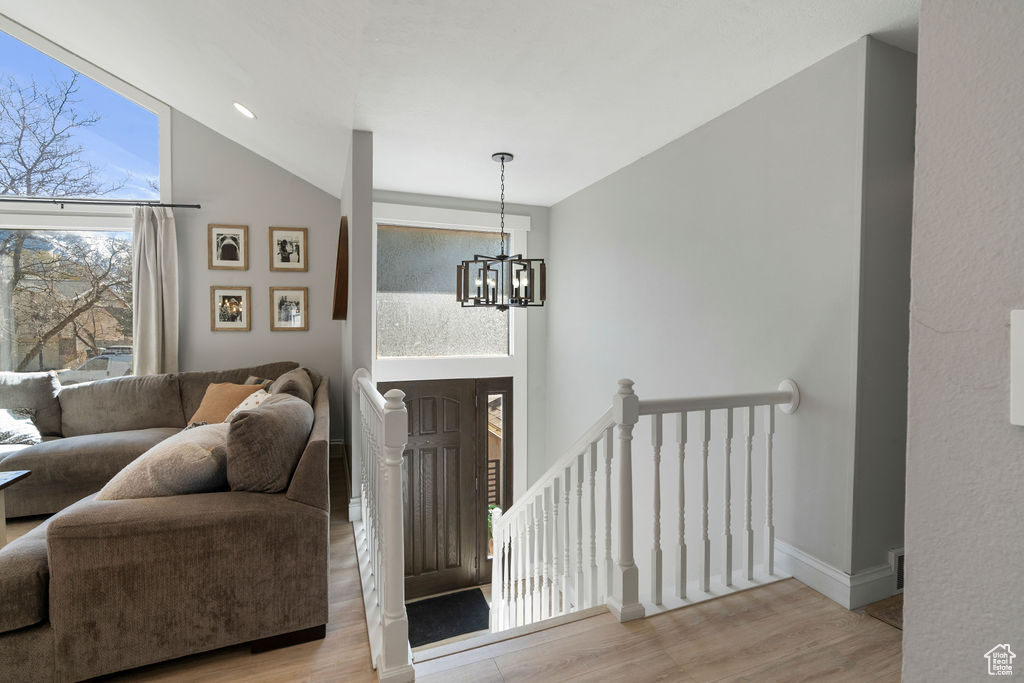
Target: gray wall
x=883 y=330
x=724 y=262
x=537 y=329
x=236 y=186
x=965 y=462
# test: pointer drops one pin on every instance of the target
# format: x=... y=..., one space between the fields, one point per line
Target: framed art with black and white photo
x=228 y=247
x=229 y=309
x=289 y=308
x=288 y=249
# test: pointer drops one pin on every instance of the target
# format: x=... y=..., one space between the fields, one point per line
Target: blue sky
x=124 y=144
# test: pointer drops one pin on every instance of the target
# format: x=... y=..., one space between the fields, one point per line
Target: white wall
x=236 y=186
x=965 y=462
x=726 y=261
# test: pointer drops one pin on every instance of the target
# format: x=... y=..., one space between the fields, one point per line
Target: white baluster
x=681 y=542
x=748 y=527
x=769 y=525
x=625 y=601
x=566 y=605
x=727 y=525
x=580 y=588
x=705 y=577
x=545 y=598
x=522 y=551
x=497 y=573
x=609 y=447
x=535 y=565
x=592 y=470
x=556 y=550
x=656 y=441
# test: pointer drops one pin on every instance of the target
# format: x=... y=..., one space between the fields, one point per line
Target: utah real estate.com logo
x=1000 y=660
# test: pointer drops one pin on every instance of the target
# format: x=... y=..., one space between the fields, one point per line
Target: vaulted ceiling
x=576 y=89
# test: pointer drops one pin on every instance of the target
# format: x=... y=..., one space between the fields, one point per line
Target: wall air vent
x=896 y=560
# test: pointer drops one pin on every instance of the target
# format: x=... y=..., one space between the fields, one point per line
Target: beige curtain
x=155 y=292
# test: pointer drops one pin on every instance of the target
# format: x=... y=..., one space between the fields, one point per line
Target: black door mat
x=447 y=616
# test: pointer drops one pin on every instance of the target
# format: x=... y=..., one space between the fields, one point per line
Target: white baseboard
x=849 y=590
x=355 y=510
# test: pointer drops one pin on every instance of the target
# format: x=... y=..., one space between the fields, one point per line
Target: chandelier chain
x=503 y=206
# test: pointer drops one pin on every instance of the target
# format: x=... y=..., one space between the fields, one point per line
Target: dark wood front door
x=439 y=478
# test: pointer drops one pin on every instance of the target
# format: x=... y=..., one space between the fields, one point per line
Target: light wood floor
x=781 y=632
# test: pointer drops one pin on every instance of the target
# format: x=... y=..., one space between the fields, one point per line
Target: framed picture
x=228 y=247
x=289 y=308
x=288 y=249
x=229 y=309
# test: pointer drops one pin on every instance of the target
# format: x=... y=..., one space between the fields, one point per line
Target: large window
x=66 y=302
x=417 y=314
x=65 y=135
x=66 y=272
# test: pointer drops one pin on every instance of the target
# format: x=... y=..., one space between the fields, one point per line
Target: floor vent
x=897 y=559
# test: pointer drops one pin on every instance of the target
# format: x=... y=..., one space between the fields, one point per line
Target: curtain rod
x=97 y=202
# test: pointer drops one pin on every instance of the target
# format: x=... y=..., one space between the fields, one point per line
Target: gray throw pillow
x=36 y=391
x=17 y=428
x=191 y=461
x=295 y=382
x=265 y=444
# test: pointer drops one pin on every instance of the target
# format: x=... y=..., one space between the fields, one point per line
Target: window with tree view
x=65 y=279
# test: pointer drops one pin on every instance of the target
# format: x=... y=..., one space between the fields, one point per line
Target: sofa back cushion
x=120 y=404
x=264 y=445
x=35 y=391
x=295 y=382
x=193 y=384
x=191 y=461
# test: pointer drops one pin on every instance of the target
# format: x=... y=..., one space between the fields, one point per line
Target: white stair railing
x=546 y=555
x=381 y=433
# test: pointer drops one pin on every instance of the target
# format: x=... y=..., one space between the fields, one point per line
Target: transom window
x=417 y=313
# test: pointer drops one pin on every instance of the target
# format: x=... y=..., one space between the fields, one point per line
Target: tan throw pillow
x=191 y=461
x=251 y=402
x=295 y=382
x=264 y=445
x=220 y=399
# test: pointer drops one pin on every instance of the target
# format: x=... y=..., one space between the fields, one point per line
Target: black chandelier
x=501 y=281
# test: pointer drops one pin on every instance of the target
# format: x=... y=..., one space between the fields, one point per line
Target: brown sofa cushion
x=265 y=444
x=24 y=581
x=193 y=384
x=220 y=400
x=120 y=404
x=36 y=391
x=294 y=382
x=191 y=461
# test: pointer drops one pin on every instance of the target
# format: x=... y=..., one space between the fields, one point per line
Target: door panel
x=439 y=486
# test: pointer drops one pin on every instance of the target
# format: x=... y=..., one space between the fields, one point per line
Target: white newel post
x=395 y=661
x=625 y=600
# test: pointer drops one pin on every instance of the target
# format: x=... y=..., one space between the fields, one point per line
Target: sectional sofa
x=92 y=430
x=108 y=585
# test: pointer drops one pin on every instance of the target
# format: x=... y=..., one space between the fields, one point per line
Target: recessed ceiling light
x=244 y=111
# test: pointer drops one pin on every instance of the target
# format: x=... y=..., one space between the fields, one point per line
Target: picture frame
x=230 y=308
x=227 y=247
x=289 y=249
x=289 y=309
